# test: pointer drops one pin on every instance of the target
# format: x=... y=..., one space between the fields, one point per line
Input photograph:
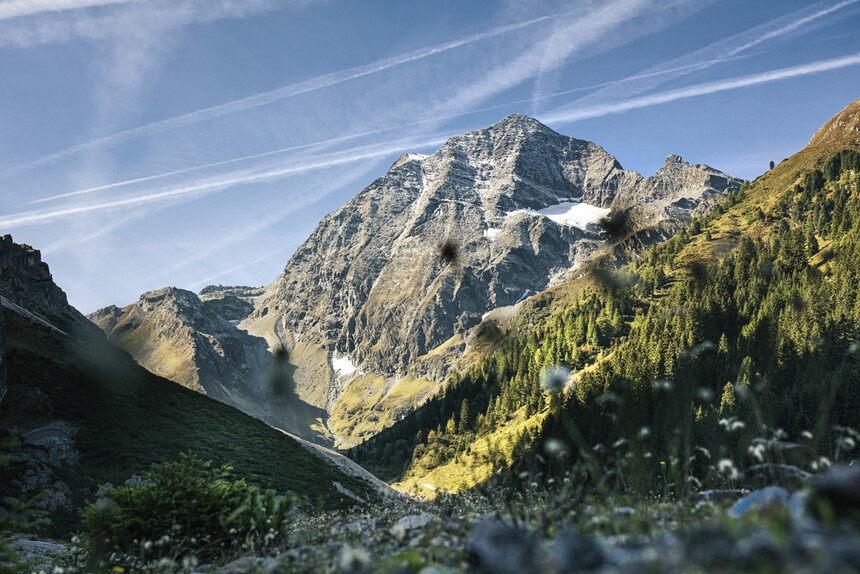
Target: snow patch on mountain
x=343 y=366
x=572 y=213
x=491 y=232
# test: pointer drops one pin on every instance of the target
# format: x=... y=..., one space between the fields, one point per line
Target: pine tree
x=464 y=417
x=728 y=402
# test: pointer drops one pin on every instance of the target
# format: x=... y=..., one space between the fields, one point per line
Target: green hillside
x=751 y=316
x=128 y=418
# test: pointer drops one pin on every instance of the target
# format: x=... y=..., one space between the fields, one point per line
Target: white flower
x=352 y=559
x=727 y=467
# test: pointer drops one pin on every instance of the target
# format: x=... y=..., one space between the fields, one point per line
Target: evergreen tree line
x=765 y=339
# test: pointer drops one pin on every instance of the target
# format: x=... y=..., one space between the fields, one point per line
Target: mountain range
x=380 y=301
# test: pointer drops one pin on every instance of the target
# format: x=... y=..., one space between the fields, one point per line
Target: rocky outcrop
x=194 y=341
x=27 y=287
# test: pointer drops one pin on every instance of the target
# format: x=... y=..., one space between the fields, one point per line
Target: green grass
x=129 y=418
x=370 y=403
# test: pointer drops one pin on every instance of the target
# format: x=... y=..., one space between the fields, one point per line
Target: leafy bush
x=185 y=508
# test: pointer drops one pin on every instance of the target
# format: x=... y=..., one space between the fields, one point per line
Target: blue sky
x=148 y=143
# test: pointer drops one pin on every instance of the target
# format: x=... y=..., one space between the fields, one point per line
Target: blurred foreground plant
x=185 y=509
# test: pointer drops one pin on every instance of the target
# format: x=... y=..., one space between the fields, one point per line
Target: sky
x=147 y=143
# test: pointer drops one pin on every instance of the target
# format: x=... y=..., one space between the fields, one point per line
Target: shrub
x=185 y=508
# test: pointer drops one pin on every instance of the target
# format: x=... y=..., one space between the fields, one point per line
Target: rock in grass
x=499 y=548
x=762 y=475
x=759 y=501
x=840 y=486
x=711 y=548
x=576 y=552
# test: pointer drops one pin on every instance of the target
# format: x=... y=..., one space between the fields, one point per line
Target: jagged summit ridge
x=370 y=277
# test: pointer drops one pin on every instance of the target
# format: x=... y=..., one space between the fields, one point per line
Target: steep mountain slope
x=517 y=205
x=376 y=305
x=750 y=318
x=88 y=414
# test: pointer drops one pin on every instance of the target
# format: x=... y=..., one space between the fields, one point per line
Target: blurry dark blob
x=617 y=224
x=449 y=252
x=766 y=270
x=694 y=351
x=554 y=379
x=489 y=332
x=697 y=271
x=280 y=379
x=496 y=547
x=796 y=303
x=612 y=279
x=827 y=255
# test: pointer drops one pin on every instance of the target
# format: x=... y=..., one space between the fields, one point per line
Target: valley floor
x=500 y=532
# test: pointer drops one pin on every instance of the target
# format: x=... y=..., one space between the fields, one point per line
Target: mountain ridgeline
x=389 y=291
x=736 y=340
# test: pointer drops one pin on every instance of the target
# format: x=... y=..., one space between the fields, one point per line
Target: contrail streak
x=246 y=176
x=262 y=99
x=386 y=148
x=19 y=8
x=572 y=115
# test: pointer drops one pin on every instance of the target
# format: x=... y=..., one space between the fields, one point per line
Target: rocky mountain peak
x=26 y=281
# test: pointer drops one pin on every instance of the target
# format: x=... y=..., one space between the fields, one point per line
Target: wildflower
x=727 y=467
x=724 y=423
x=663 y=462
x=806 y=435
x=704 y=451
x=757 y=450
x=643 y=433
x=846 y=443
x=353 y=559
x=737 y=425
x=619 y=443
x=664 y=385
x=114 y=569
x=555 y=448
x=554 y=379
x=399 y=532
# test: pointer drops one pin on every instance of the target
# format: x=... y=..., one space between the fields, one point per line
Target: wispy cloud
x=575 y=33
x=361 y=153
x=21 y=8
x=265 y=98
x=589 y=112
x=719 y=52
x=218 y=183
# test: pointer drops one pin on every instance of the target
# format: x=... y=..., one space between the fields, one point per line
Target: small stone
x=711 y=547
x=719 y=495
x=761 y=475
x=498 y=548
x=576 y=552
x=414 y=521
x=840 y=486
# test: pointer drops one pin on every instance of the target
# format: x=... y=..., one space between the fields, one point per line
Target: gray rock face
x=190 y=341
x=26 y=281
x=194 y=341
x=370 y=282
